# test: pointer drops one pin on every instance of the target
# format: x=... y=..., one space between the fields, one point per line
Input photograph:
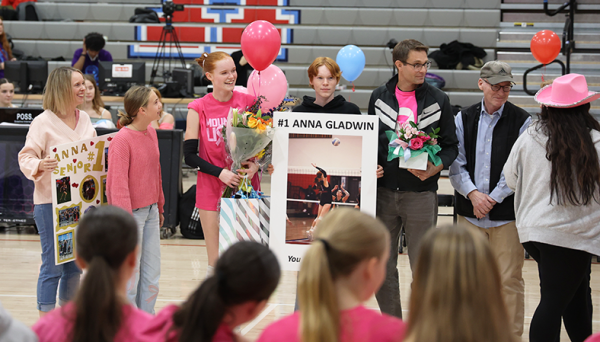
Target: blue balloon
x=351 y=60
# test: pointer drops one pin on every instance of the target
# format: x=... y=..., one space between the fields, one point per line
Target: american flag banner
x=196 y=39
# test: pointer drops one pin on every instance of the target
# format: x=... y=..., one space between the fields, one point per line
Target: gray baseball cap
x=496 y=72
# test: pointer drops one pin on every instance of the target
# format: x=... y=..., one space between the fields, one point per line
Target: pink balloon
x=260 y=44
x=271 y=83
x=241 y=89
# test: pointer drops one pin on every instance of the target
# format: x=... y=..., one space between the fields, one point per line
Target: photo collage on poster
x=79 y=186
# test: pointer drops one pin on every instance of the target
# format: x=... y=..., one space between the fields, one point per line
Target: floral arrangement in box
x=247 y=135
x=410 y=142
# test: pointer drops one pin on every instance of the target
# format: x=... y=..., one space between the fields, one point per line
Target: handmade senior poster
x=307 y=149
x=79 y=184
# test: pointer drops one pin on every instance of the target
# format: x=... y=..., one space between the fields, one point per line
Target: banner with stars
x=78 y=185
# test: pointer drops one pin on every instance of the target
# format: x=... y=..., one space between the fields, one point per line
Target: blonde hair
x=343 y=239
x=208 y=61
x=58 y=92
x=135 y=98
x=332 y=66
x=456 y=291
x=97 y=102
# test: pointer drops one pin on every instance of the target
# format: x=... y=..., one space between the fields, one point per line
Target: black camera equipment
x=169 y=35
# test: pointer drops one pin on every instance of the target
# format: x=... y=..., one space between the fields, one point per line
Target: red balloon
x=545 y=46
x=260 y=44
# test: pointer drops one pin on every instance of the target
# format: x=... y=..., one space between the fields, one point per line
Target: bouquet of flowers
x=410 y=142
x=247 y=134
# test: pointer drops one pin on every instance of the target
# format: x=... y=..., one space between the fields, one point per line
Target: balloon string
x=353 y=89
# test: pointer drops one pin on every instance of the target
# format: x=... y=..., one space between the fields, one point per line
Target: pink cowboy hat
x=567 y=91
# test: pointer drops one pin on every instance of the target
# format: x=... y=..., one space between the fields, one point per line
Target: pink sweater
x=359 y=324
x=159 y=329
x=134 y=178
x=45 y=131
x=58 y=323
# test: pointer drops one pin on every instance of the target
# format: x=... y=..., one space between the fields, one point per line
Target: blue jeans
x=50 y=274
x=142 y=289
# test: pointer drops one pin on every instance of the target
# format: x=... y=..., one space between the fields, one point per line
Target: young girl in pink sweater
x=134 y=184
x=245 y=277
x=106 y=247
x=204 y=147
x=343 y=268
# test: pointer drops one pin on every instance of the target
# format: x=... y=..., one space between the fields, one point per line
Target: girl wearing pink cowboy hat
x=554 y=170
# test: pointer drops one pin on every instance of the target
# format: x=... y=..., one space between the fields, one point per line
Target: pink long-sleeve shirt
x=358 y=324
x=58 y=324
x=134 y=177
x=45 y=131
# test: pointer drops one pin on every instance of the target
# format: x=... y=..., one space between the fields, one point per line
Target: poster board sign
x=345 y=147
x=78 y=184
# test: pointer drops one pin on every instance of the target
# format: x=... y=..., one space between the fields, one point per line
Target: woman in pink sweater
x=134 y=184
x=106 y=247
x=343 y=268
x=245 y=277
x=204 y=147
x=60 y=123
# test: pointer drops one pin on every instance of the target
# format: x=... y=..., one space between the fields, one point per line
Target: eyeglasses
x=418 y=67
x=496 y=87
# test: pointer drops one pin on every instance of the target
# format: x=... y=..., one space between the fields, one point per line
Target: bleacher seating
x=312 y=28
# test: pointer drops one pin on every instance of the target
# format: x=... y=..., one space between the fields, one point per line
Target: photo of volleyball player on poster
x=63 y=190
x=324 y=173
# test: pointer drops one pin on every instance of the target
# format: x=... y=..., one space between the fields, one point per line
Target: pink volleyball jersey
x=213 y=115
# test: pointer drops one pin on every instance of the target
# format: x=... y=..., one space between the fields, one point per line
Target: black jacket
x=338 y=105
x=434 y=110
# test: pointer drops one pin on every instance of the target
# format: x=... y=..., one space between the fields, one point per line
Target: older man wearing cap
x=486 y=132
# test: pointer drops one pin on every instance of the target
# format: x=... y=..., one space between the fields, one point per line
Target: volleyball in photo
x=336 y=142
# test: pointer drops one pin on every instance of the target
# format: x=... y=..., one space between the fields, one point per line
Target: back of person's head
x=575 y=175
x=343 y=239
x=246 y=272
x=106 y=237
x=402 y=49
x=330 y=64
x=58 y=92
x=135 y=98
x=456 y=291
x=97 y=102
x=94 y=41
x=208 y=61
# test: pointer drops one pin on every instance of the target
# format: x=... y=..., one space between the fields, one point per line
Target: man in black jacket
x=486 y=133
x=408 y=197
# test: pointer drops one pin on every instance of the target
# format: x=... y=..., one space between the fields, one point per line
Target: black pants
x=565 y=292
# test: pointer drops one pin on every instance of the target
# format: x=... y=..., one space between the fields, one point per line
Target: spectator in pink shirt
x=343 y=268
x=106 y=243
x=245 y=276
x=134 y=184
x=456 y=290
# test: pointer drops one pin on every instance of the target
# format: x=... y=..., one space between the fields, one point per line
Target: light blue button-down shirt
x=459 y=176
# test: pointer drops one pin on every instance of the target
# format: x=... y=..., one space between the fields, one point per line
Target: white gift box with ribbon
x=418 y=163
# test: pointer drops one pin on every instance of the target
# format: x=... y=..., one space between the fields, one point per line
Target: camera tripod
x=168 y=35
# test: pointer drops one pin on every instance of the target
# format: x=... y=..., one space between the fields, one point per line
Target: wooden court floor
x=183 y=268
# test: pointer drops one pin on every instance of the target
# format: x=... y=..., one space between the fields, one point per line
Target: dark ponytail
x=105 y=237
x=247 y=271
